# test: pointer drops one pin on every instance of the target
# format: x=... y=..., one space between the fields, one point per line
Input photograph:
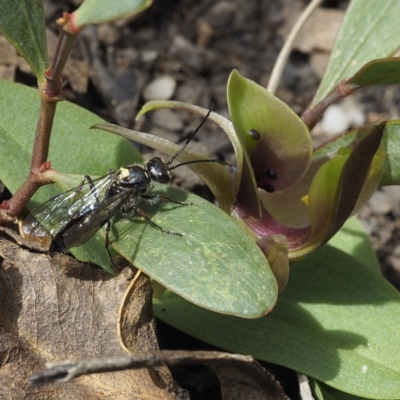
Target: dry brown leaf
x=244 y=381
x=57 y=309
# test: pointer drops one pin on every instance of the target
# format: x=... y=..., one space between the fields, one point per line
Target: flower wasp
x=73 y=217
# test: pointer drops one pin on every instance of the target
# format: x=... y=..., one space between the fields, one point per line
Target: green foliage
x=391 y=145
x=22 y=23
x=211 y=237
x=215 y=264
x=370 y=30
x=96 y=11
x=385 y=71
x=336 y=321
x=74 y=147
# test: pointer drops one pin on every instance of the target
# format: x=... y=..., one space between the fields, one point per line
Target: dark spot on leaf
x=269 y=188
x=255 y=135
x=271 y=174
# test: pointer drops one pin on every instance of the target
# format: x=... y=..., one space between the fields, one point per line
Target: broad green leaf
x=22 y=23
x=391 y=145
x=74 y=147
x=227 y=273
x=370 y=30
x=391 y=167
x=213 y=264
x=385 y=71
x=97 y=11
x=336 y=321
x=325 y=392
x=353 y=240
x=94 y=251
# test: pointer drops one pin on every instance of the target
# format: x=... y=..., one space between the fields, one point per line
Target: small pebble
x=196 y=57
x=162 y=88
x=167 y=119
x=222 y=14
x=338 y=118
x=385 y=200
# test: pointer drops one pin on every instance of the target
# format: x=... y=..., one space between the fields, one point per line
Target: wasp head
x=158 y=170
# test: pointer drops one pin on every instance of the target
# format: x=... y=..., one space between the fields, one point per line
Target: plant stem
x=287 y=47
x=312 y=113
x=50 y=94
x=53 y=74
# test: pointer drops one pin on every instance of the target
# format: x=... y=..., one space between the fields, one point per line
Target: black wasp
x=73 y=217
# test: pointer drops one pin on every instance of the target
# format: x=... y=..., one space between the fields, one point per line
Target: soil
x=185 y=50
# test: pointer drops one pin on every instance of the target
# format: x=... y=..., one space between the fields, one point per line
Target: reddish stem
x=314 y=112
x=53 y=74
x=50 y=95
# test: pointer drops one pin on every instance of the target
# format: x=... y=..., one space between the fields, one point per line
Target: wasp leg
x=134 y=209
x=107 y=244
x=92 y=187
x=155 y=198
x=87 y=179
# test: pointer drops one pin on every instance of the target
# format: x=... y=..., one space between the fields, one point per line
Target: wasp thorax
x=158 y=170
x=134 y=176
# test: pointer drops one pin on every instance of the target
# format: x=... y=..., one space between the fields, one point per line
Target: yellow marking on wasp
x=124 y=172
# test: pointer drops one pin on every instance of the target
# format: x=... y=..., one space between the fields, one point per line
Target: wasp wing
x=53 y=215
x=80 y=230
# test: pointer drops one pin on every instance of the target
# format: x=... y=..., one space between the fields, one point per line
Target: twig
x=287 y=47
x=304 y=385
x=313 y=112
x=50 y=95
x=67 y=370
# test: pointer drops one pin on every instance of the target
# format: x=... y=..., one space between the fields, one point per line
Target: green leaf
x=227 y=273
x=97 y=11
x=213 y=264
x=336 y=321
x=370 y=30
x=391 y=145
x=94 y=251
x=22 y=23
x=353 y=240
x=325 y=392
x=391 y=167
x=74 y=147
x=385 y=71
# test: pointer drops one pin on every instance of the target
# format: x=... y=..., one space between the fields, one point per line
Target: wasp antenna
x=189 y=138
x=202 y=161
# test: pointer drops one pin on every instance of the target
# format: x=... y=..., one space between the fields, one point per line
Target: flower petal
x=276 y=250
x=286 y=206
x=341 y=184
x=276 y=139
